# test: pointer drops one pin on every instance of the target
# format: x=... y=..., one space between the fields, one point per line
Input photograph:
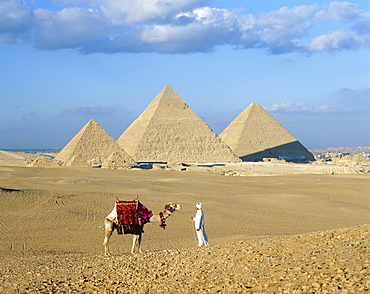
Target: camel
x=110 y=225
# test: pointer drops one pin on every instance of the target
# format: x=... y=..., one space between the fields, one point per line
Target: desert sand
x=272 y=228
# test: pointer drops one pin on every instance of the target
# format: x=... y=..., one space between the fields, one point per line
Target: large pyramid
x=170 y=131
x=90 y=147
x=255 y=134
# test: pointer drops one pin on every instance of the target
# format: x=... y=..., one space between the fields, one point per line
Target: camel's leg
x=139 y=242
x=134 y=241
x=108 y=225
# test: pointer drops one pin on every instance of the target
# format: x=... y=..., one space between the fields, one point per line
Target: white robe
x=199 y=225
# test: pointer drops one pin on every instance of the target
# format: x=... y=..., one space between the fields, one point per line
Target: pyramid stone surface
x=90 y=146
x=118 y=160
x=255 y=134
x=170 y=131
x=41 y=162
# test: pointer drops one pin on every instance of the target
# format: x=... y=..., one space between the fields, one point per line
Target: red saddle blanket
x=132 y=213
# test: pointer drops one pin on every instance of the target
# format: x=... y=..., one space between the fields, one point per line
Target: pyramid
x=170 y=131
x=118 y=160
x=90 y=147
x=255 y=134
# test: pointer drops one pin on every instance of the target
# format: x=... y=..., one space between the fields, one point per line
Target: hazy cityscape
x=338 y=152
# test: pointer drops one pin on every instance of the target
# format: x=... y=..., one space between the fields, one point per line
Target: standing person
x=199 y=226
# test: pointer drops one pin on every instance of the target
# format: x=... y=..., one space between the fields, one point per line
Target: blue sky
x=64 y=62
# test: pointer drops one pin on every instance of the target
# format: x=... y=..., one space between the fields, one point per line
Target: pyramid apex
x=168 y=87
x=170 y=97
x=254 y=107
x=254 y=104
x=91 y=122
x=168 y=90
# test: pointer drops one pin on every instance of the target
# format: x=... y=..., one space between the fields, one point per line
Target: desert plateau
x=272 y=228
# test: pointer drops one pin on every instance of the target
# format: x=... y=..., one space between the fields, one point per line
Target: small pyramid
x=89 y=147
x=41 y=162
x=118 y=160
x=170 y=131
x=255 y=134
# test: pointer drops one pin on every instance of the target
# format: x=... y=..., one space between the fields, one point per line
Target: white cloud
x=129 y=11
x=287 y=16
x=68 y=28
x=279 y=31
x=180 y=26
x=15 y=19
x=340 y=12
x=301 y=107
x=332 y=42
x=13 y=15
x=339 y=40
x=200 y=31
x=211 y=16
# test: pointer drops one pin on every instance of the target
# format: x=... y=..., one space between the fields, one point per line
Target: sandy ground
x=54 y=216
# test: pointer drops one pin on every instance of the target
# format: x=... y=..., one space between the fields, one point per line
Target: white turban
x=199 y=205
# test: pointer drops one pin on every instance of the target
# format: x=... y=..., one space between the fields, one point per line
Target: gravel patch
x=335 y=261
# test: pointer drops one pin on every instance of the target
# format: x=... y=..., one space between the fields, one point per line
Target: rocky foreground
x=335 y=261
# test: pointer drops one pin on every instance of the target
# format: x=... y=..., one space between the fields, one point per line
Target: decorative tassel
x=163 y=221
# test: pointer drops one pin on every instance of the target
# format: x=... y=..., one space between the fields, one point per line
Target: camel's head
x=172 y=207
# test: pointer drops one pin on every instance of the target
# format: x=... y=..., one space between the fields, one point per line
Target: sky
x=64 y=62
